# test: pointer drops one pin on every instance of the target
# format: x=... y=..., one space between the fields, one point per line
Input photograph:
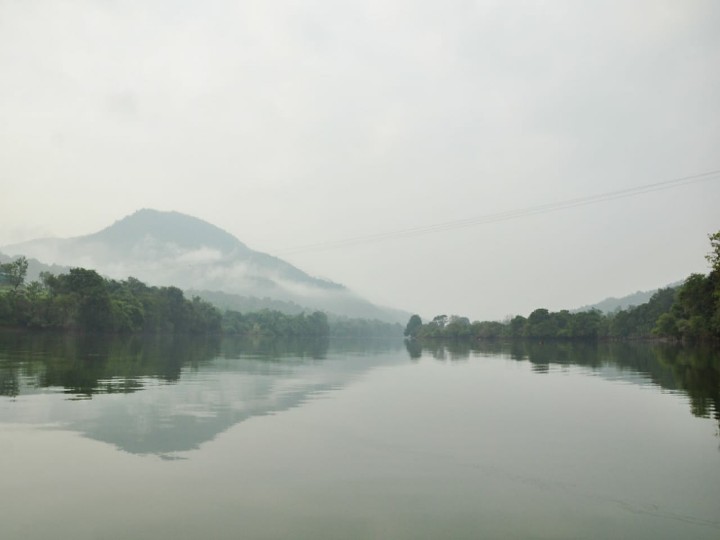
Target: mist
x=290 y=125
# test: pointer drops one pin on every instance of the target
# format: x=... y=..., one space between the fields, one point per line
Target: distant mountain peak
x=171 y=248
x=612 y=304
x=168 y=227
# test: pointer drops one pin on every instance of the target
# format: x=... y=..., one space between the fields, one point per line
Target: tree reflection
x=86 y=364
x=217 y=383
x=695 y=370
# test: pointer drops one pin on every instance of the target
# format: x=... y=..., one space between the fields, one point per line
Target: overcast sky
x=293 y=123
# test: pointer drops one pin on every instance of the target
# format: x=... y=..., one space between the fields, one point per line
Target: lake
x=185 y=439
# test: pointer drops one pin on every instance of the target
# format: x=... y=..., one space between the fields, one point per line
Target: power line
x=507 y=215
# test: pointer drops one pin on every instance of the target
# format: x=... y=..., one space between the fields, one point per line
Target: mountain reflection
x=164 y=395
x=179 y=392
x=693 y=370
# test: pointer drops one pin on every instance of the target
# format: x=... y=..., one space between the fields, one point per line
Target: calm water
x=192 y=439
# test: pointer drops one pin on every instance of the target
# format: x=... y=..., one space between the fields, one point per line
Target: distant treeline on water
x=84 y=301
x=689 y=312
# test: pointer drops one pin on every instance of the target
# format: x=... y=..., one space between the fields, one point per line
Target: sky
x=295 y=124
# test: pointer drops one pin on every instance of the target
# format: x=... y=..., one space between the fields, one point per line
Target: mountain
x=170 y=248
x=612 y=304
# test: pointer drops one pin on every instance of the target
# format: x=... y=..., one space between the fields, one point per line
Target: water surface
x=228 y=439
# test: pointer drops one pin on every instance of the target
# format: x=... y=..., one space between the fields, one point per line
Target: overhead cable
x=507 y=215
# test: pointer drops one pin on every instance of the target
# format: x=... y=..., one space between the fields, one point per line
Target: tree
x=93 y=301
x=440 y=320
x=714 y=256
x=318 y=324
x=586 y=324
x=413 y=326
x=13 y=273
x=517 y=326
x=458 y=327
x=667 y=325
x=714 y=259
x=694 y=312
x=541 y=324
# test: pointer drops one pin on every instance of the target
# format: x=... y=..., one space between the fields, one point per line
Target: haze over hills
x=170 y=248
x=635 y=299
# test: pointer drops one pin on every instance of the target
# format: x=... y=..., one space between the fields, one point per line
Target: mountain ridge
x=170 y=226
x=171 y=248
x=612 y=303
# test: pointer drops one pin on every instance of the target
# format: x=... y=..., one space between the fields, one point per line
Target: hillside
x=612 y=304
x=170 y=248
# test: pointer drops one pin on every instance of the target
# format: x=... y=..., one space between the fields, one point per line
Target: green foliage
x=714 y=256
x=541 y=324
x=457 y=327
x=588 y=325
x=487 y=329
x=413 y=326
x=13 y=274
x=84 y=364
x=84 y=301
x=343 y=327
x=694 y=314
x=275 y=324
x=689 y=312
x=636 y=322
x=640 y=321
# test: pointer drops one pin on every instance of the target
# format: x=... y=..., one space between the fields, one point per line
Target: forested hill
x=611 y=304
x=690 y=311
x=174 y=249
x=82 y=300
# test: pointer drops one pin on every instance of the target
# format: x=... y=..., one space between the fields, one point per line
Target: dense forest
x=84 y=301
x=689 y=312
x=275 y=323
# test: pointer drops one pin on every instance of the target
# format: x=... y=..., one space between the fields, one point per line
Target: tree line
x=275 y=324
x=690 y=312
x=82 y=300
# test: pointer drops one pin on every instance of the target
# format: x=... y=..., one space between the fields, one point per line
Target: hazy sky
x=291 y=123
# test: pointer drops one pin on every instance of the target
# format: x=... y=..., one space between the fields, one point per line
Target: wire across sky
x=505 y=216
